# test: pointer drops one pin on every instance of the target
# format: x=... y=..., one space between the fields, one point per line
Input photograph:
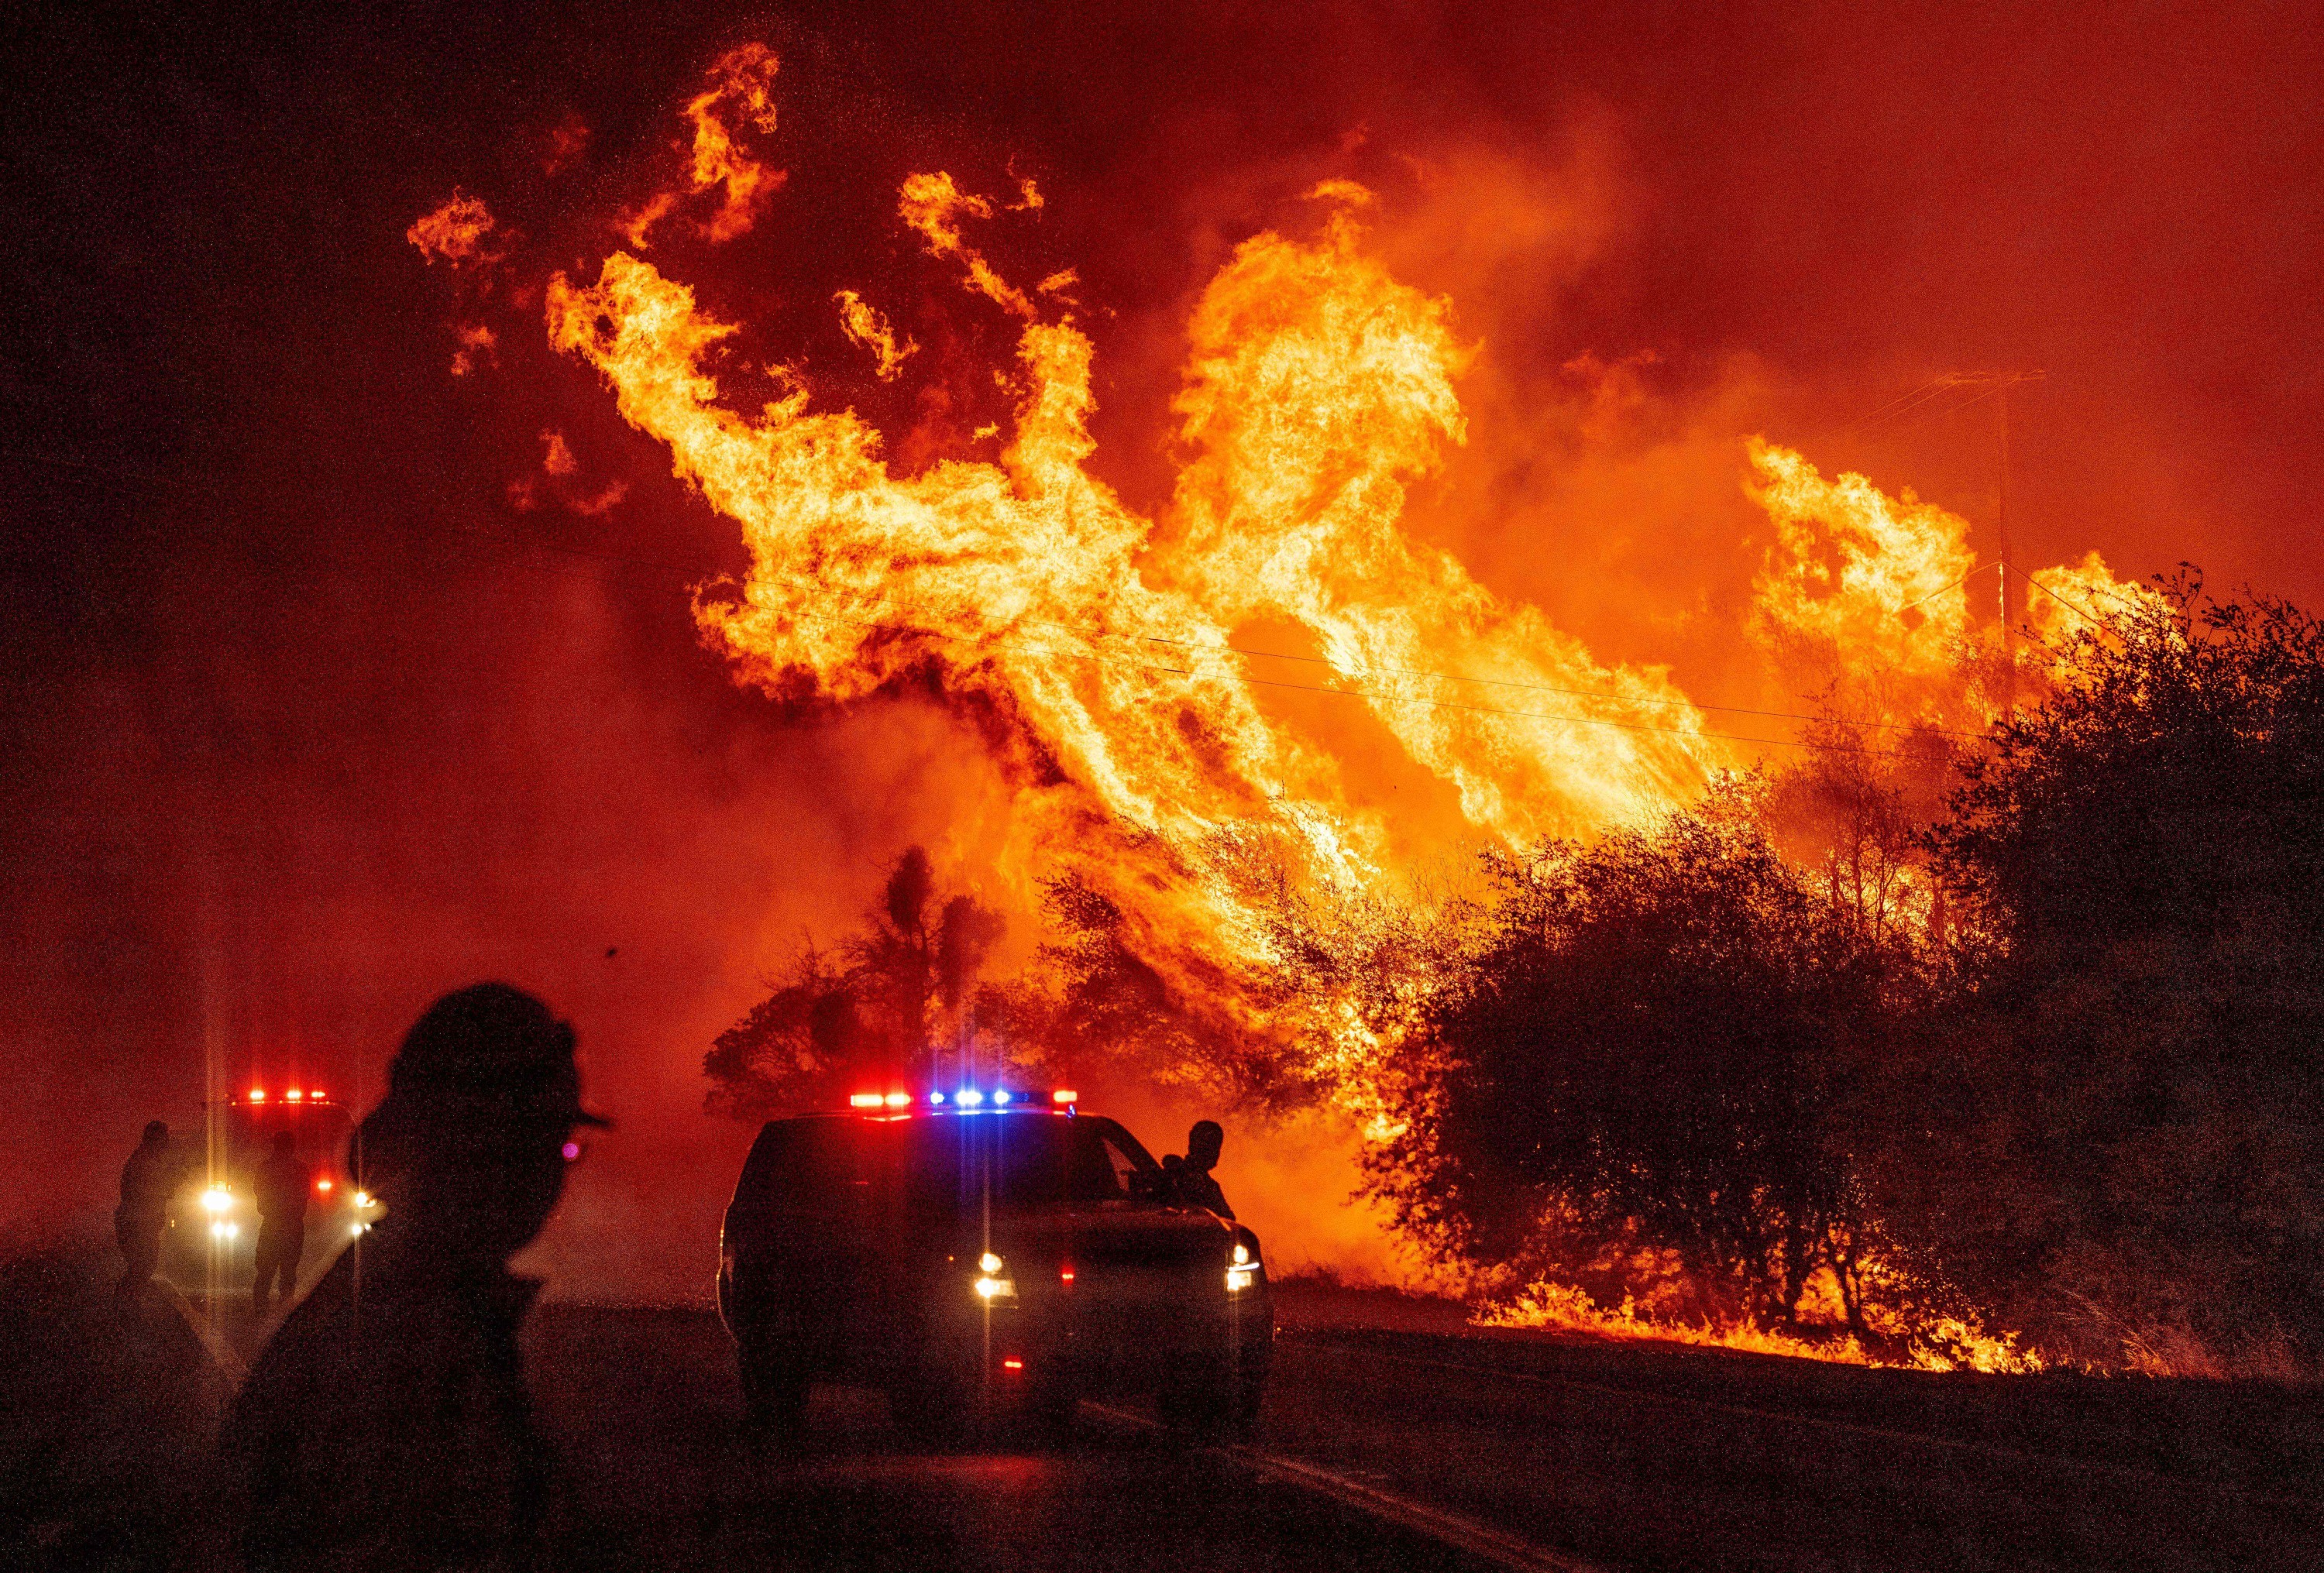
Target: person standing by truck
x=282 y=1186
x=146 y=1179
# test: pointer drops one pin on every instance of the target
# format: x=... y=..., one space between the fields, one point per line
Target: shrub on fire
x=1646 y=1073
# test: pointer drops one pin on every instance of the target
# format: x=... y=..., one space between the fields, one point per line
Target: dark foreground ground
x=1391 y=1441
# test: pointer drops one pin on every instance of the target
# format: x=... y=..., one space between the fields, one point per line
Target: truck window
x=802 y=1165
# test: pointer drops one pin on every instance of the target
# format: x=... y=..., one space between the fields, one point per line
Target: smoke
x=308 y=719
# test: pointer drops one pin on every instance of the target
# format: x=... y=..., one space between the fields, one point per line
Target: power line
x=2094 y=620
x=1540 y=687
x=1414 y=699
x=1198 y=646
x=1956 y=584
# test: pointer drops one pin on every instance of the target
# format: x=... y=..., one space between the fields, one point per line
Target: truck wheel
x=1054 y=1415
x=1196 y=1402
x=774 y=1389
x=1242 y=1414
x=927 y=1414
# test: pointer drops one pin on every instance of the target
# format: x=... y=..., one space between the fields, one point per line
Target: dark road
x=1378 y=1450
x=1422 y=1450
x=661 y=1471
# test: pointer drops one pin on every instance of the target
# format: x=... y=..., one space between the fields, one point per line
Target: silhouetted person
x=137 y=1223
x=1189 y=1178
x=387 y=1425
x=282 y=1186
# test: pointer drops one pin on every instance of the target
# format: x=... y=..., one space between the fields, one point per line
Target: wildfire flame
x=1097 y=646
x=741 y=96
x=1098 y=651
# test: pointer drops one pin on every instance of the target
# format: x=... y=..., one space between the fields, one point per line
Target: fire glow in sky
x=1106 y=657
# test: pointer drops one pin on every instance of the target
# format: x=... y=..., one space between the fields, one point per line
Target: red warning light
x=258 y=1095
x=324 y=1185
x=866 y=1101
x=1012 y=1364
x=1064 y=1274
x=293 y=1094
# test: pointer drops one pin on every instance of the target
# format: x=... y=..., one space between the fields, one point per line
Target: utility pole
x=1999 y=383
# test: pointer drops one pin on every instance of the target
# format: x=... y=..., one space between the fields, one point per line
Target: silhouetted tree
x=1647 y=1057
x=893 y=991
x=2119 y=1136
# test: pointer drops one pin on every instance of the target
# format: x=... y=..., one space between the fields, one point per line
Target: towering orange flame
x=1097 y=648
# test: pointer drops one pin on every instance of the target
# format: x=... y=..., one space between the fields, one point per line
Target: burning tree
x=1647 y=1061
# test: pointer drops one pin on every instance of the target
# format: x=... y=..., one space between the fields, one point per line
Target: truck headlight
x=223 y=1230
x=217 y=1199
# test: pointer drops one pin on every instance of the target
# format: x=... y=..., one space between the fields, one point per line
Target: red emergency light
x=965 y=1097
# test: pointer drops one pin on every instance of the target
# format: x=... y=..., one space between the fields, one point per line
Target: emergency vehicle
x=212 y=1239
x=982 y=1251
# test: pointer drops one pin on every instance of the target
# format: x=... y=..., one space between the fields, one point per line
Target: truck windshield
x=1026 y=1162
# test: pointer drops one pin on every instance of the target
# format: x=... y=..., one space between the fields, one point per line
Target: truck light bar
x=1063 y=1098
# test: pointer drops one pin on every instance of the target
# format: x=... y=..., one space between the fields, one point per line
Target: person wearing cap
x=146 y=1181
x=387 y=1425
